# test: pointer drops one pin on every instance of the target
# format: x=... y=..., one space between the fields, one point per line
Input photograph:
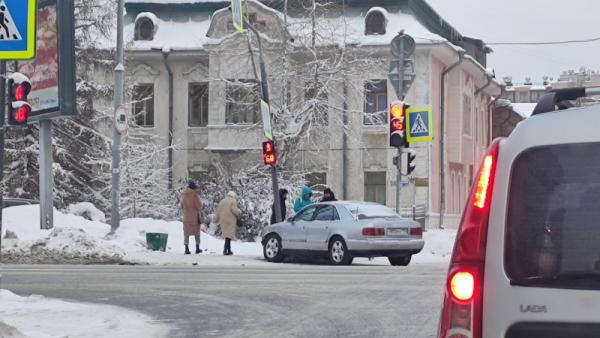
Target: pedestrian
x=191 y=206
x=283 y=193
x=303 y=200
x=328 y=196
x=227 y=216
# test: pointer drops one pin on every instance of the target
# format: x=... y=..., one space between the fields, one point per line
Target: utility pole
x=115 y=219
x=265 y=97
x=2 y=130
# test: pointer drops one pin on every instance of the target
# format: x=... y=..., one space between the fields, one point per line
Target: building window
x=375 y=23
x=198 y=104
x=375 y=187
x=467 y=115
x=144 y=28
x=375 y=102
x=523 y=97
x=317 y=100
x=242 y=102
x=316 y=181
x=143 y=105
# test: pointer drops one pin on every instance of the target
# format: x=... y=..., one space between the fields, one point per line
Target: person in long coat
x=191 y=206
x=227 y=215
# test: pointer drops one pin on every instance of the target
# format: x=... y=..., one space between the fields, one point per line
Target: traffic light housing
x=397 y=122
x=269 y=156
x=19 y=87
x=410 y=166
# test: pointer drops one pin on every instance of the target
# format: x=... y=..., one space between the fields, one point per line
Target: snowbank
x=37 y=316
x=87 y=210
x=77 y=240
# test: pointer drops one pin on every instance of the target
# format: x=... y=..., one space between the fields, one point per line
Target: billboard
x=52 y=71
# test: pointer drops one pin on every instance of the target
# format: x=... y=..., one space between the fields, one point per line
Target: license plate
x=397 y=232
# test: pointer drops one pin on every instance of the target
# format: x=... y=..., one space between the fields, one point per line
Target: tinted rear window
x=553 y=219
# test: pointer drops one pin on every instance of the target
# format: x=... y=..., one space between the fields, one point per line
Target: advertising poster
x=43 y=70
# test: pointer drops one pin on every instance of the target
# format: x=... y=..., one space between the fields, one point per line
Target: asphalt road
x=288 y=300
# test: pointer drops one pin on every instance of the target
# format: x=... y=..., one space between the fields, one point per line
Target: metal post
x=2 y=117
x=400 y=97
x=115 y=219
x=265 y=97
x=46 y=177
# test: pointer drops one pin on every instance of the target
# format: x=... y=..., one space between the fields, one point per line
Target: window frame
x=314 y=208
x=144 y=102
x=231 y=102
x=203 y=114
x=334 y=216
x=382 y=113
x=384 y=185
x=139 y=34
x=381 y=23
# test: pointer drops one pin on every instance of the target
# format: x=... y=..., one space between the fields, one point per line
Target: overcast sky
x=528 y=21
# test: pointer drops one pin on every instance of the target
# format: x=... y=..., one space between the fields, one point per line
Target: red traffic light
x=397 y=109
x=21 y=91
x=397 y=126
x=269 y=156
x=22 y=114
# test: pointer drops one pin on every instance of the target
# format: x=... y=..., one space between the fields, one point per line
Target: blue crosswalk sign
x=17 y=29
x=420 y=124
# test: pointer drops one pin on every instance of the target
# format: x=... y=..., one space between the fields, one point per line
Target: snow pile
x=61 y=245
x=438 y=246
x=37 y=316
x=87 y=210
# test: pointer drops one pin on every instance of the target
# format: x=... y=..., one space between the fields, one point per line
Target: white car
x=526 y=261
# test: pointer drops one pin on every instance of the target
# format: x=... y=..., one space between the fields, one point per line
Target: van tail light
x=416 y=232
x=463 y=300
x=373 y=232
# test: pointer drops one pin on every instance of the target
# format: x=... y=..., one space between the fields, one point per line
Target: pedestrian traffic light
x=19 y=87
x=410 y=166
x=269 y=156
x=397 y=123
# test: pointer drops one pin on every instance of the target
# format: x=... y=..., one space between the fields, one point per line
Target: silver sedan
x=342 y=231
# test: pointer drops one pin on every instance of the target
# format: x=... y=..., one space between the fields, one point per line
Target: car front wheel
x=338 y=252
x=400 y=260
x=272 y=249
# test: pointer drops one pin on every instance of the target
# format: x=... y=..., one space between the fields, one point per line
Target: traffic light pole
x=265 y=96
x=115 y=218
x=400 y=97
x=2 y=129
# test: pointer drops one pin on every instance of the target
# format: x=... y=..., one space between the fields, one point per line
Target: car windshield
x=371 y=211
x=553 y=220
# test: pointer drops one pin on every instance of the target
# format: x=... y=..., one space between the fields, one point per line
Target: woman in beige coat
x=191 y=207
x=227 y=215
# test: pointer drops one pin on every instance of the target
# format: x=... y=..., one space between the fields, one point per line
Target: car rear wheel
x=272 y=249
x=400 y=260
x=338 y=252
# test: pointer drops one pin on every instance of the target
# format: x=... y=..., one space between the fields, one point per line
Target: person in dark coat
x=328 y=196
x=283 y=193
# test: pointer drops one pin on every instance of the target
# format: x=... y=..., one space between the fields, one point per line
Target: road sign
x=403 y=46
x=17 y=29
x=419 y=126
x=238 y=15
x=121 y=120
x=266 y=117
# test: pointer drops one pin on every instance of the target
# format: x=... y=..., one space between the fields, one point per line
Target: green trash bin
x=156 y=241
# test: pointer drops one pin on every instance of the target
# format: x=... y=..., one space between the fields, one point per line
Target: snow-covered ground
x=40 y=317
x=77 y=240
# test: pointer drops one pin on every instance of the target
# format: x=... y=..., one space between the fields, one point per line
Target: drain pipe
x=490 y=112
x=489 y=82
x=165 y=54
x=461 y=57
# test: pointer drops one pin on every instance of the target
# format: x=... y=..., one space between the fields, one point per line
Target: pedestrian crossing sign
x=419 y=125
x=17 y=29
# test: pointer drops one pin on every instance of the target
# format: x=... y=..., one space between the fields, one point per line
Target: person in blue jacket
x=303 y=200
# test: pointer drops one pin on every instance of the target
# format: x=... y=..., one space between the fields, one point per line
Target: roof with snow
x=173 y=19
x=524 y=109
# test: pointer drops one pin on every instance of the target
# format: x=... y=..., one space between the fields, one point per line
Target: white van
x=526 y=261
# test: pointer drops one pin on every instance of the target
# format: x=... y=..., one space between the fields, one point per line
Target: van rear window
x=553 y=217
